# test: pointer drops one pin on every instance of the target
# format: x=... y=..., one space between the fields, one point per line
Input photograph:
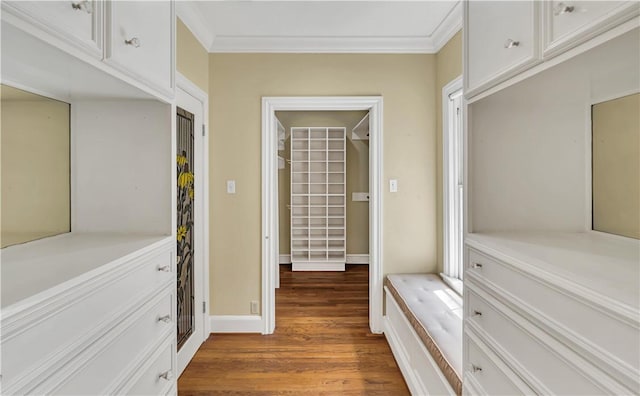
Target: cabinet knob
x=165 y=319
x=477 y=313
x=82 y=6
x=475 y=368
x=477 y=265
x=511 y=43
x=165 y=268
x=562 y=8
x=134 y=41
x=167 y=375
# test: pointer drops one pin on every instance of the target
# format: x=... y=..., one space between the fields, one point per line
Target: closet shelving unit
x=318 y=211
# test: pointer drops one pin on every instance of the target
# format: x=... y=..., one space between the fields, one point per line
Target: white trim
x=269 y=196
x=285 y=259
x=450 y=25
x=236 y=323
x=192 y=18
x=318 y=266
x=192 y=89
x=357 y=259
x=452 y=87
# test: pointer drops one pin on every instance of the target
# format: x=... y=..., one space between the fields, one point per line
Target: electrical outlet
x=393 y=185
x=231 y=186
x=255 y=307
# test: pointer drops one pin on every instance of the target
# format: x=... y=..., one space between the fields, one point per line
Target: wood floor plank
x=321 y=346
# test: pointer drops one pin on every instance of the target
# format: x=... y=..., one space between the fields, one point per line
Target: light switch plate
x=231 y=186
x=393 y=185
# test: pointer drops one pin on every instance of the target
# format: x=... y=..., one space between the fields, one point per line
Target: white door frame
x=270 y=258
x=185 y=86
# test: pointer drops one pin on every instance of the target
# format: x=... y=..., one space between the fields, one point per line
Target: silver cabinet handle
x=477 y=313
x=166 y=268
x=562 y=8
x=477 y=265
x=167 y=375
x=82 y=6
x=134 y=41
x=475 y=368
x=511 y=43
x=165 y=319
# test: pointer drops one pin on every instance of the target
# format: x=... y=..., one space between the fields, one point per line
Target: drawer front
x=78 y=22
x=106 y=363
x=141 y=40
x=487 y=372
x=540 y=359
x=569 y=23
x=24 y=350
x=574 y=315
x=501 y=39
x=157 y=378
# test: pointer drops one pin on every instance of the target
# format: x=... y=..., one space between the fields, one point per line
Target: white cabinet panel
x=569 y=23
x=501 y=39
x=141 y=41
x=76 y=22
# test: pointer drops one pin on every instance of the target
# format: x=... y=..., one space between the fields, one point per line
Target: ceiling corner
x=191 y=16
x=449 y=26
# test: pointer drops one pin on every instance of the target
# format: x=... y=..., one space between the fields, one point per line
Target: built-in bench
x=423 y=325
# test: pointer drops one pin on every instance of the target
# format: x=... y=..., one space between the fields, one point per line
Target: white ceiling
x=322 y=26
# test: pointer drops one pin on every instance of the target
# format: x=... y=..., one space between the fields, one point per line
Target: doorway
x=270 y=257
x=192 y=292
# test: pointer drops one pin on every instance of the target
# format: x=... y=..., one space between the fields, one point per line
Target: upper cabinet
x=79 y=23
x=503 y=39
x=569 y=23
x=141 y=40
x=133 y=41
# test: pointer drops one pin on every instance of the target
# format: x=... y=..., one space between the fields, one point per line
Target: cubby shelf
x=318 y=212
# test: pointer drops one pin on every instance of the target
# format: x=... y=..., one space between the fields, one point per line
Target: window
x=453 y=179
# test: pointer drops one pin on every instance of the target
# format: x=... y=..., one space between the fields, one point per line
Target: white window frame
x=453 y=179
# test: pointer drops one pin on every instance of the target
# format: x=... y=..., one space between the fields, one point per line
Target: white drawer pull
x=133 y=41
x=165 y=268
x=475 y=368
x=477 y=313
x=477 y=265
x=165 y=319
x=511 y=43
x=562 y=8
x=82 y=6
x=166 y=375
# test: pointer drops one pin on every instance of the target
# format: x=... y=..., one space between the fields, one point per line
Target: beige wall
x=192 y=60
x=357 y=175
x=236 y=84
x=35 y=167
x=616 y=166
x=448 y=67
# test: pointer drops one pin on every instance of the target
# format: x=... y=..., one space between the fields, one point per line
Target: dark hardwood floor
x=322 y=345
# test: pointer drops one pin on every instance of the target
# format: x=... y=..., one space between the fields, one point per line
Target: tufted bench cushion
x=435 y=312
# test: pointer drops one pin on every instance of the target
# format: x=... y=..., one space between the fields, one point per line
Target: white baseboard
x=236 y=323
x=318 y=266
x=357 y=259
x=351 y=259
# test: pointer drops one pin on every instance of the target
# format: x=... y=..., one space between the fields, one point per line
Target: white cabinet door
x=501 y=39
x=77 y=22
x=569 y=23
x=140 y=41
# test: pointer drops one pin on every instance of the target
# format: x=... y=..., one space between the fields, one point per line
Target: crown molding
x=189 y=14
x=449 y=26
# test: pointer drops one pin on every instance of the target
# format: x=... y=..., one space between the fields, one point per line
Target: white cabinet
x=141 y=40
x=501 y=39
x=318 y=211
x=569 y=23
x=77 y=22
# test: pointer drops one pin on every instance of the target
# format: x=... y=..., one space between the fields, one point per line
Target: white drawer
x=159 y=377
x=101 y=364
x=28 y=346
x=76 y=21
x=545 y=361
x=577 y=317
x=487 y=372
